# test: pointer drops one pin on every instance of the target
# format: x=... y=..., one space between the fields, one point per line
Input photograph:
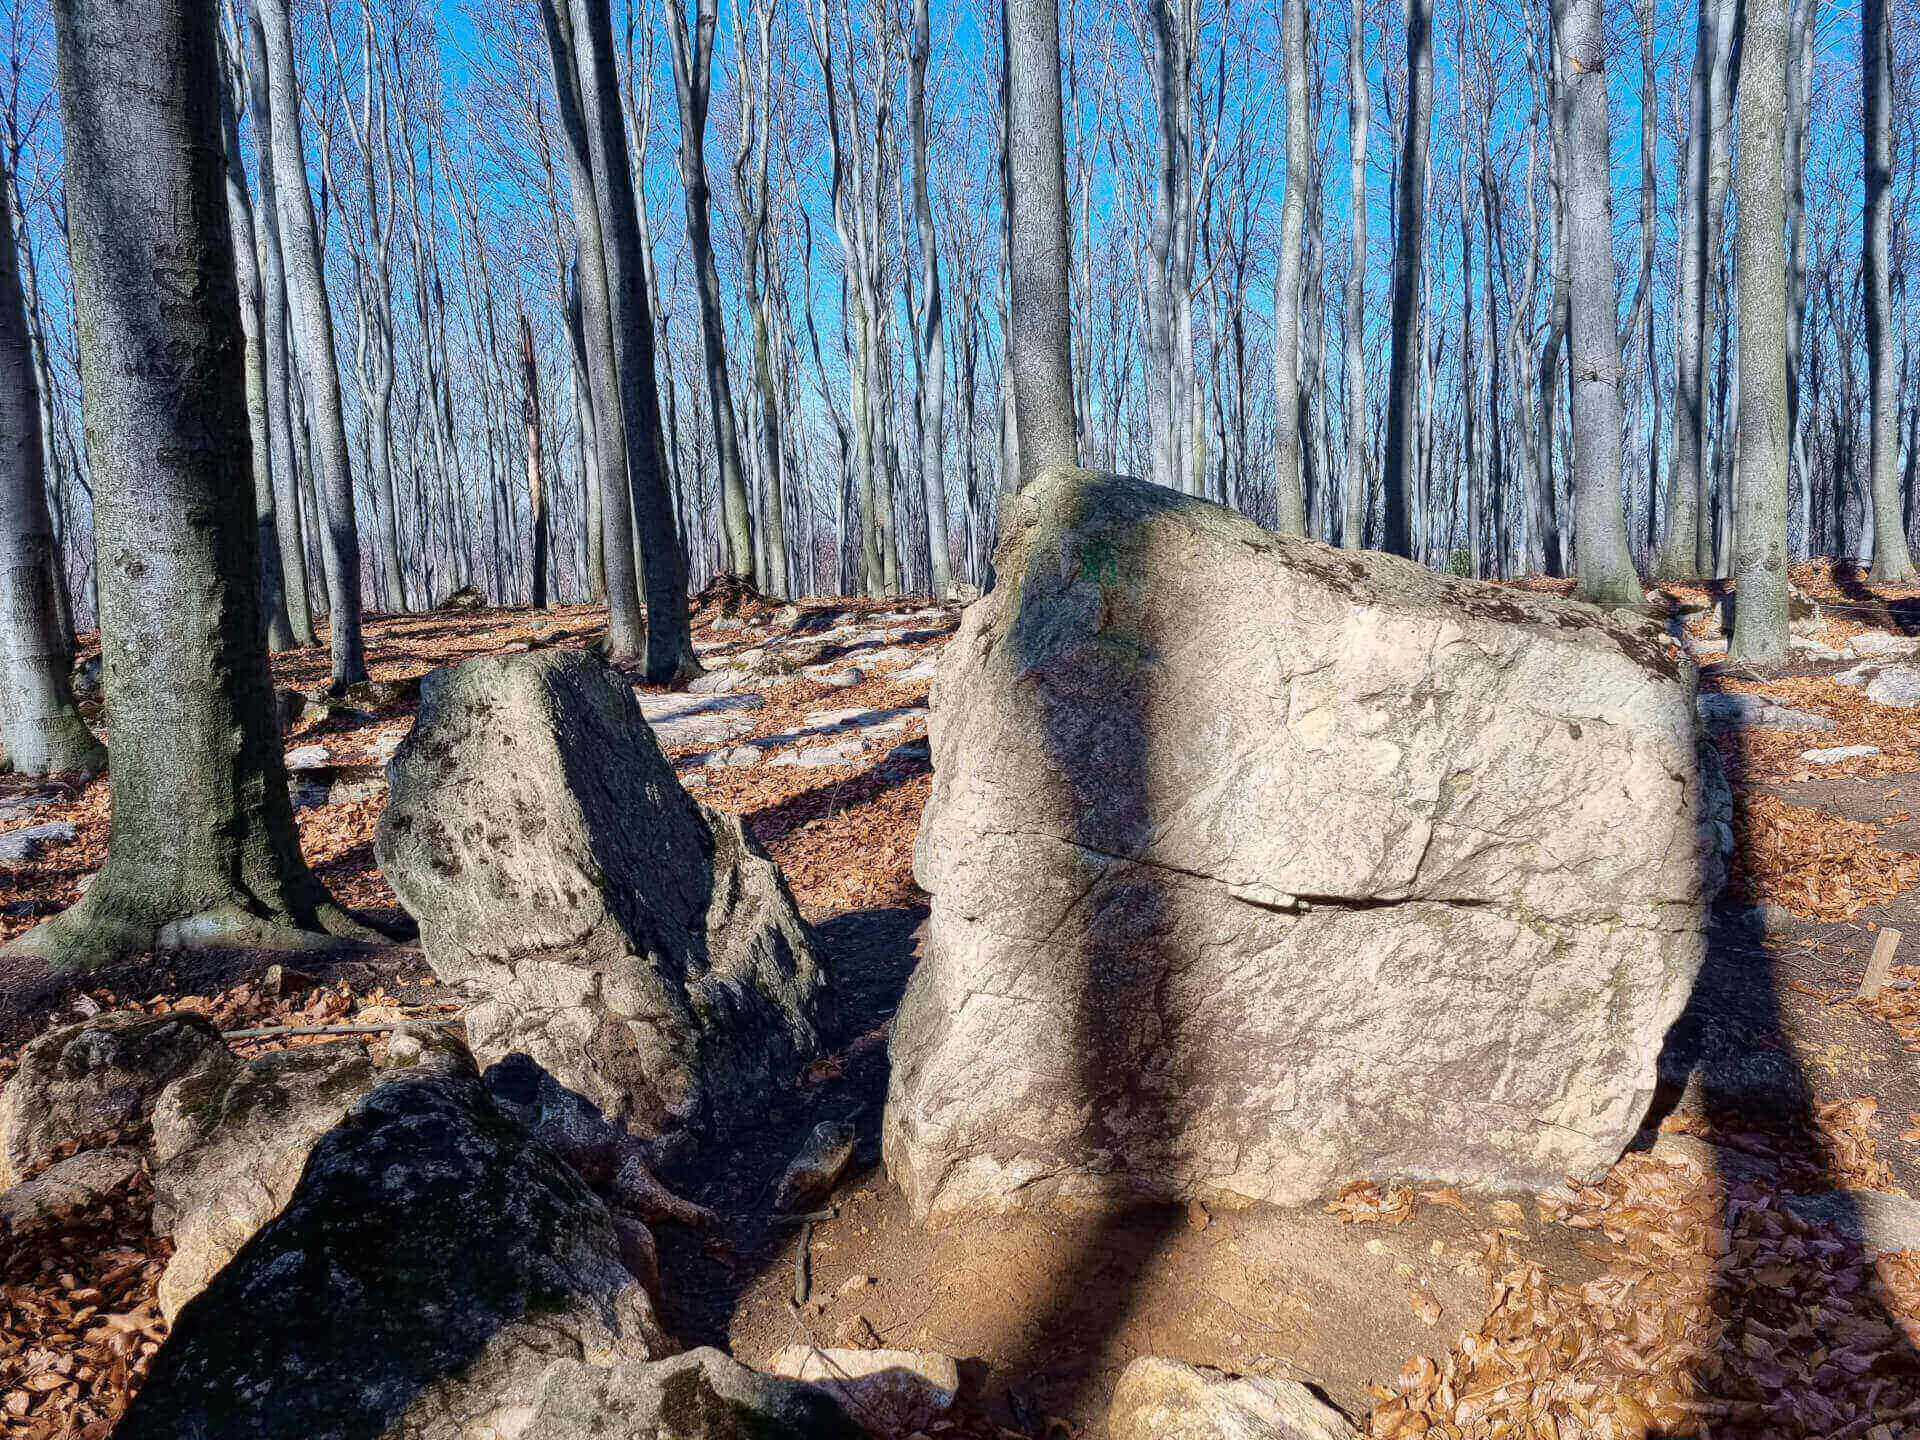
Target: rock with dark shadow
x=701 y=1395
x=1257 y=866
x=434 y=1263
x=635 y=944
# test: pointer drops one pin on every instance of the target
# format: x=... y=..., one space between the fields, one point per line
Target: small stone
x=20 y=846
x=1197 y=1215
x=844 y=679
x=281 y=981
x=859 y=1334
x=1835 y=754
x=889 y=1392
x=308 y=757
x=855 y=1283
x=59 y=1194
x=812 y=1174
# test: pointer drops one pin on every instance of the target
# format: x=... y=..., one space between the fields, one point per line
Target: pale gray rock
x=717 y=681
x=887 y=1392
x=61 y=1193
x=19 y=846
x=1897 y=685
x=1164 y=1400
x=21 y=806
x=1834 y=754
x=308 y=757
x=635 y=944
x=230 y=1142
x=841 y=752
x=433 y=1264
x=921 y=670
x=688 y=719
x=1257 y=866
x=1889 y=1223
x=103 y=1074
x=1856 y=676
x=701 y=1395
x=1879 y=642
x=839 y=679
x=1737 y=712
x=812 y=1173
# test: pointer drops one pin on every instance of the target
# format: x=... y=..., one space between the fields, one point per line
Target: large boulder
x=230 y=1142
x=632 y=942
x=433 y=1264
x=96 y=1080
x=1257 y=865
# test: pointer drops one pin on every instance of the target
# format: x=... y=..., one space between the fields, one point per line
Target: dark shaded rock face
x=632 y=942
x=103 y=1074
x=434 y=1262
x=1256 y=866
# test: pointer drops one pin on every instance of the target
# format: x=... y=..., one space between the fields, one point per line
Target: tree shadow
x=1784 y=1291
x=1864 y=606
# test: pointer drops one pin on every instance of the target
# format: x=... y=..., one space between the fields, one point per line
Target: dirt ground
x=1682 y=1295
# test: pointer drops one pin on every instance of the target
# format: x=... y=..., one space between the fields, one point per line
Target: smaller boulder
x=17 y=847
x=291 y=709
x=62 y=1193
x=1897 y=685
x=1164 y=1400
x=887 y=1392
x=701 y=1395
x=97 y=1077
x=817 y=1168
x=467 y=597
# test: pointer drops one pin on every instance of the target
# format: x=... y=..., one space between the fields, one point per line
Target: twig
x=260 y=1032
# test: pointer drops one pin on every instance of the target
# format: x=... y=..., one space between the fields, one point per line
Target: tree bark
x=932 y=397
x=1605 y=564
x=1402 y=457
x=202 y=849
x=1286 y=286
x=536 y=479
x=319 y=367
x=1353 y=528
x=43 y=732
x=1765 y=434
x=1042 y=339
x=1892 y=558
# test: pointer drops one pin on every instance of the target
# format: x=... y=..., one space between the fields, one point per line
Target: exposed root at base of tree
x=107 y=926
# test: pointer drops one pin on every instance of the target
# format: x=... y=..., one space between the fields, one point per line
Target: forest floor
x=1697 y=1289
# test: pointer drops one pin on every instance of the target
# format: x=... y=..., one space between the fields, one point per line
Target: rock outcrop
x=632 y=942
x=433 y=1264
x=701 y=1395
x=230 y=1142
x=102 y=1075
x=1164 y=1400
x=887 y=1392
x=1257 y=865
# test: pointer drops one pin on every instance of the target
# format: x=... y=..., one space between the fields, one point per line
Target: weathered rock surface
x=632 y=942
x=701 y=1395
x=1897 y=685
x=103 y=1074
x=62 y=1192
x=19 y=846
x=887 y=1392
x=1165 y=1400
x=433 y=1264
x=1731 y=712
x=1256 y=866
x=230 y=1142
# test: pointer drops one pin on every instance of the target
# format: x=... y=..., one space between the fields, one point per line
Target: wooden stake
x=1881 y=962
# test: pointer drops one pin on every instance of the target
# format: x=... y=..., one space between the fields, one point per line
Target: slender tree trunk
x=1286 y=286
x=1403 y=422
x=536 y=480
x=1892 y=559
x=1678 y=559
x=202 y=849
x=307 y=284
x=42 y=730
x=1765 y=444
x=1353 y=529
x=1605 y=564
x=1042 y=339
x=932 y=318
x=1799 y=118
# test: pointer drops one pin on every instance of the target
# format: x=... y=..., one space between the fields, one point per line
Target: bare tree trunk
x=1042 y=339
x=42 y=731
x=307 y=286
x=692 y=79
x=932 y=394
x=1286 y=286
x=1354 y=476
x=1760 y=617
x=1605 y=564
x=273 y=601
x=1799 y=119
x=202 y=848
x=536 y=486
x=1892 y=559
x=1403 y=427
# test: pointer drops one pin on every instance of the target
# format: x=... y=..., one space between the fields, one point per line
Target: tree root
x=105 y=928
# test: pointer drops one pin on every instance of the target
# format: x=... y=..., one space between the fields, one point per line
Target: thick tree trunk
x=1765 y=444
x=1286 y=286
x=42 y=730
x=202 y=849
x=1892 y=559
x=1402 y=458
x=307 y=286
x=1353 y=526
x=281 y=465
x=692 y=78
x=1605 y=564
x=1042 y=339
x=1684 y=459
x=669 y=638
